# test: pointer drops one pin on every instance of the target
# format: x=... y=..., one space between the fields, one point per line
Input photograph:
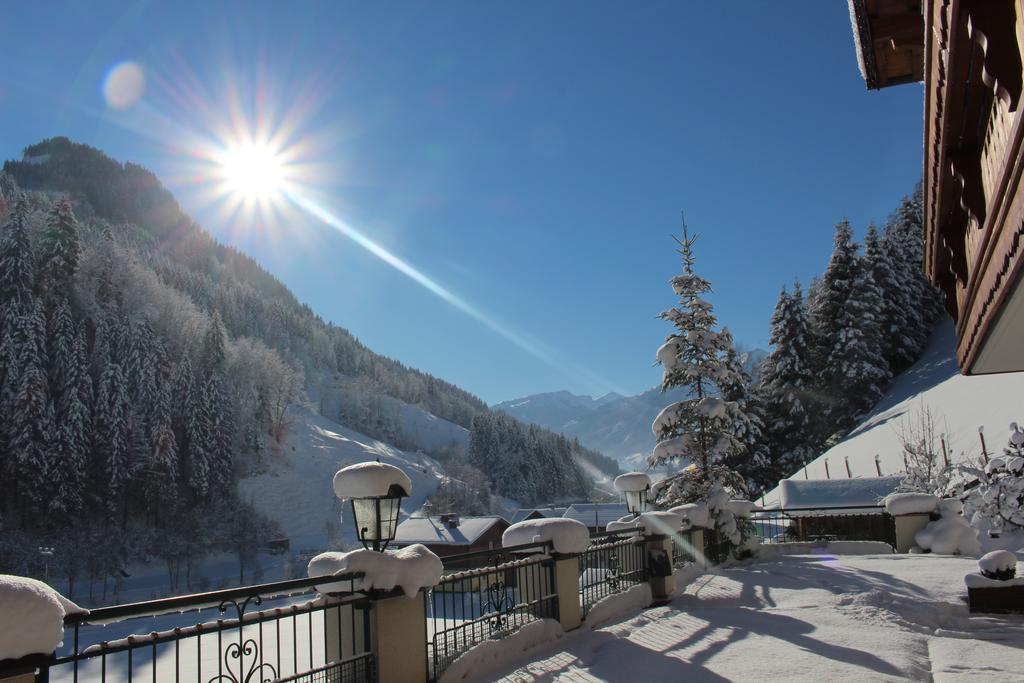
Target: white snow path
x=803 y=618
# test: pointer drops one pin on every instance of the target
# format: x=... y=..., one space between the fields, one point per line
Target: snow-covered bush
x=927 y=468
x=1000 y=565
x=950 y=534
x=993 y=494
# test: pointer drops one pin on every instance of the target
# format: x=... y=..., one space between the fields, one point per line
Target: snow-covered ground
x=797 y=618
x=296 y=488
x=959 y=405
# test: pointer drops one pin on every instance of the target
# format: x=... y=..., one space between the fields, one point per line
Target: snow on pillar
x=34 y=613
x=912 y=513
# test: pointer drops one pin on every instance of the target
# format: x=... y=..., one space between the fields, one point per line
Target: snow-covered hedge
x=410 y=569
x=31 y=617
x=566 y=535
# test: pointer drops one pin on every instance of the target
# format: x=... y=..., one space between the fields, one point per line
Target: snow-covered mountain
x=959 y=404
x=618 y=426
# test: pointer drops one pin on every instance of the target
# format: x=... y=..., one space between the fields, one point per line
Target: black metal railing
x=683 y=550
x=614 y=561
x=273 y=631
x=849 y=523
x=500 y=591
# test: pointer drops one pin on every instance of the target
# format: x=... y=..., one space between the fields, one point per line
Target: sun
x=253 y=172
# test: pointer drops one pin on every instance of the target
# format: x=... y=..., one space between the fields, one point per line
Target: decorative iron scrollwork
x=244 y=648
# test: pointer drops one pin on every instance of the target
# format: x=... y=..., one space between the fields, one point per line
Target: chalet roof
x=432 y=531
x=837 y=493
x=602 y=512
x=523 y=513
x=888 y=36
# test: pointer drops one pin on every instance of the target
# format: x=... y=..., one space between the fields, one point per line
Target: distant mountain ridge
x=618 y=426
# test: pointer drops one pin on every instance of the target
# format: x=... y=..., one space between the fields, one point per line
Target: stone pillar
x=399 y=628
x=567 y=586
x=659 y=555
x=907 y=527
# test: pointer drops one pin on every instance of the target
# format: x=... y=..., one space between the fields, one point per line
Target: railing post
x=659 y=568
x=567 y=587
x=399 y=639
x=907 y=527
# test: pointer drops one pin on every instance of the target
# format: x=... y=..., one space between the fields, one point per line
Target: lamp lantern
x=375 y=491
x=634 y=486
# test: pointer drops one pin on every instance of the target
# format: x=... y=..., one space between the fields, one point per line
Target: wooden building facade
x=970 y=59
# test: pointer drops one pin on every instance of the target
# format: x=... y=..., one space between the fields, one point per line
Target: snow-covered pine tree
x=222 y=430
x=198 y=442
x=30 y=416
x=752 y=460
x=857 y=371
x=162 y=464
x=786 y=384
x=697 y=433
x=17 y=271
x=9 y=191
x=113 y=431
x=59 y=249
x=920 y=301
x=892 y=318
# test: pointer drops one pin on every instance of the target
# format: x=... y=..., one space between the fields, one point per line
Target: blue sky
x=530 y=158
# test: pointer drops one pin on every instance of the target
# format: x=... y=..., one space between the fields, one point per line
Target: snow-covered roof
x=835 y=493
x=596 y=514
x=433 y=531
x=523 y=513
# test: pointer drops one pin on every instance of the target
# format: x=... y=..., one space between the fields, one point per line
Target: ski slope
x=959 y=405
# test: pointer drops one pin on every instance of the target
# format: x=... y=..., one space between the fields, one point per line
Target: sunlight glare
x=253 y=171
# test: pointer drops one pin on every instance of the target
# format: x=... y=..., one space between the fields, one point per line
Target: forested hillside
x=145 y=369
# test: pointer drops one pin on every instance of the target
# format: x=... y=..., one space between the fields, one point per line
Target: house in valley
x=452 y=534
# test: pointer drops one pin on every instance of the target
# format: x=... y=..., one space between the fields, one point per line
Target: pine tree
x=786 y=384
x=17 y=274
x=856 y=370
x=751 y=460
x=162 y=464
x=919 y=300
x=60 y=248
x=112 y=428
x=892 y=318
x=698 y=431
x=198 y=432
x=30 y=411
x=827 y=302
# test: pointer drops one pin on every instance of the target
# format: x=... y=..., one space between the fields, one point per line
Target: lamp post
x=634 y=486
x=376 y=491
